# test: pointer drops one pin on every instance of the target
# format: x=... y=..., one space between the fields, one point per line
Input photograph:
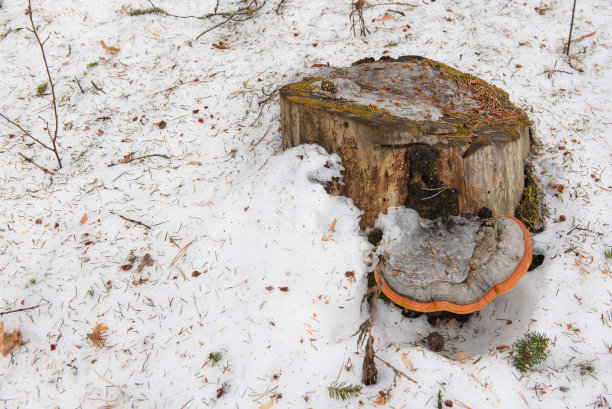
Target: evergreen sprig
x=530 y=351
x=214 y=358
x=342 y=391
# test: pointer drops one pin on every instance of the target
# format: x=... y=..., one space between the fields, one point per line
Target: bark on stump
x=415 y=132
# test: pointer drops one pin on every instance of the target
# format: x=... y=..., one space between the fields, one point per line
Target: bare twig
x=569 y=40
x=130 y=220
x=19 y=310
x=394 y=369
x=26 y=132
x=280 y=4
x=357 y=8
x=234 y=15
x=42 y=51
x=140 y=157
x=389 y=4
x=30 y=160
x=79 y=84
x=435 y=194
x=96 y=87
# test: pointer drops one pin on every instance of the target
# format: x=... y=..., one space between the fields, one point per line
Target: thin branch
x=159 y=10
x=30 y=160
x=569 y=40
x=248 y=11
x=26 y=132
x=369 y=6
x=357 y=8
x=140 y=157
x=435 y=194
x=280 y=4
x=394 y=368
x=79 y=84
x=215 y=26
x=42 y=51
x=96 y=87
x=19 y=310
x=131 y=220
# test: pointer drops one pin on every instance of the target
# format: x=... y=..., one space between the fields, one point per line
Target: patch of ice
x=396 y=104
x=427 y=251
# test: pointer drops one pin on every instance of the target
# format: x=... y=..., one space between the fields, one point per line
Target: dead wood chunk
x=146 y=261
x=370 y=373
x=435 y=341
x=412 y=131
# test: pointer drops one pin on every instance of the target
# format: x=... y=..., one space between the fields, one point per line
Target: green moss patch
x=426 y=193
x=531 y=209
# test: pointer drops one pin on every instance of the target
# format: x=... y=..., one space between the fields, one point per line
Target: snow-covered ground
x=273 y=297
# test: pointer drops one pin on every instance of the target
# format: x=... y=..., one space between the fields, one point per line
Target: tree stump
x=415 y=132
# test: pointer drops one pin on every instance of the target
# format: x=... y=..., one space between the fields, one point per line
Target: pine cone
x=329 y=86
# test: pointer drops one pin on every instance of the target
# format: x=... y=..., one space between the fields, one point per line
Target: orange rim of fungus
x=444 y=305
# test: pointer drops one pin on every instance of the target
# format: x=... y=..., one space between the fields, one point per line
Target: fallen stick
x=131 y=220
x=19 y=310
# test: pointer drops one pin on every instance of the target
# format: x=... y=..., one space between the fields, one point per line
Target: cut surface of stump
x=415 y=132
x=457 y=265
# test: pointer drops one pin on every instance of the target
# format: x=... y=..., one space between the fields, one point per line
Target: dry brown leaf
x=408 y=362
x=83 y=219
x=380 y=401
x=127 y=158
x=221 y=46
x=98 y=336
x=193 y=162
x=269 y=404
x=385 y=17
x=9 y=340
x=326 y=237
x=139 y=282
x=109 y=49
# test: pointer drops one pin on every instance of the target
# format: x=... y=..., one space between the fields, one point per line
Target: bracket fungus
x=457 y=265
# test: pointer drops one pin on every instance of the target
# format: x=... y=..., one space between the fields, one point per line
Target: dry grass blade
x=98 y=336
x=9 y=340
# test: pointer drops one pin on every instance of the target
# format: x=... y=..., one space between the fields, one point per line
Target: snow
x=275 y=296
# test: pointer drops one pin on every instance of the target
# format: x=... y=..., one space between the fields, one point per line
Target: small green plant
x=608 y=253
x=150 y=10
x=342 y=390
x=42 y=88
x=32 y=281
x=92 y=64
x=214 y=358
x=392 y=43
x=530 y=350
x=132 y=257
x=587 y=368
